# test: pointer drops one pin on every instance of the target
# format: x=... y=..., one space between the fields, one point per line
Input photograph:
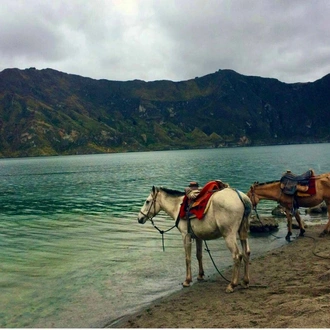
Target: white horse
x=227 y=215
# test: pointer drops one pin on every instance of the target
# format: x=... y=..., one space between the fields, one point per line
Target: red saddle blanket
x=311 y=188
x=200 y=203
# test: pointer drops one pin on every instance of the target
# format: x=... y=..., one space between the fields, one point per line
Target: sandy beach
x=290 y=288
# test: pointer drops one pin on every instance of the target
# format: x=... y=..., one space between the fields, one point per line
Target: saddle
x=301 y=185
x=200 y=205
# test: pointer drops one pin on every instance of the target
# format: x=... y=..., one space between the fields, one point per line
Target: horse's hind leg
x=199 y=256
x=326 y=229
x=246 y=259
x=237 y=257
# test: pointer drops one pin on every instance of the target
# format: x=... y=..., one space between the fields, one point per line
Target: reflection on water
x=72 y=253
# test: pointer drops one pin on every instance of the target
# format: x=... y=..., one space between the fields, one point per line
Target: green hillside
x=47 y=112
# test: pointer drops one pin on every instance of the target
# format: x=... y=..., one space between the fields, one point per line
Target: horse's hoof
x=200 y=279
x=323 y=233
x=287 y=237
x=245 y=285
x=186 y=284
x=302 y=232
x=230 y=289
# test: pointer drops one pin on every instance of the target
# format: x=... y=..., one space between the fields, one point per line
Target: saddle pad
x=199 y=207
x=311 y=188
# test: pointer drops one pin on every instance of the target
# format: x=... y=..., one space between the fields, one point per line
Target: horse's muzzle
x=142 y=218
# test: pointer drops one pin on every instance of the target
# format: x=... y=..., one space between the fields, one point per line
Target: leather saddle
x=292 y=183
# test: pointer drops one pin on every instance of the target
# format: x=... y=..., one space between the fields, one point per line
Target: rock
x=321 y=208
x=295 y=224
x=326 y=276
x=279 y=211
x=264 y=225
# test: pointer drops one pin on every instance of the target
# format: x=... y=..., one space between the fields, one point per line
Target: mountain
x=47 y=112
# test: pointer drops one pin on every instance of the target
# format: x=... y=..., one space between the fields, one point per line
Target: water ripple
x=69 y=230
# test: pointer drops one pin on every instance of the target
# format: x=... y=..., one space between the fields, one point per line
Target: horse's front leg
x=199 y=255
x=300 y=223
x=289 y=220
x=187 y=249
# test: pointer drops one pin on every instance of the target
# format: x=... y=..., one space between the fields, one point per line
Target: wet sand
x=290 y=288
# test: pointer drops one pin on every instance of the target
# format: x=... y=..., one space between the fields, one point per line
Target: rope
x=162 y=232
x=314 y=246
x=215 y=266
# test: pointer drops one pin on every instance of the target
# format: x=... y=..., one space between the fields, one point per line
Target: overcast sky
x=168 y=39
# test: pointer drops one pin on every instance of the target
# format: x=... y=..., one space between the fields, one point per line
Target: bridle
x=153 y=204
x=253 y=199
x=254 y=205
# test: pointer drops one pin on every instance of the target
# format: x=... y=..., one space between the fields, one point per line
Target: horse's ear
x=153 y=189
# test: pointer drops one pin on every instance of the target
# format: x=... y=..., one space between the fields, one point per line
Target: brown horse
x=272 y=191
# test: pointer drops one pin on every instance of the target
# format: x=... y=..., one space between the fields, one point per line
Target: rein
x=215 y=266
x=162 y=232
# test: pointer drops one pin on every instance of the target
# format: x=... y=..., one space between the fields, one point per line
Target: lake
x=72 y=253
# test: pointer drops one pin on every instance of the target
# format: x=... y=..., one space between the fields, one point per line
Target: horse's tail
x=244 y=226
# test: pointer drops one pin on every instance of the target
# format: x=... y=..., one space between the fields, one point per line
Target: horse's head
x=150 y=207
x=255 y=199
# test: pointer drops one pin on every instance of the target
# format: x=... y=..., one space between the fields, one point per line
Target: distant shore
x=289 y=289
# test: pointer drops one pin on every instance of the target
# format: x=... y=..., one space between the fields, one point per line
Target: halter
x=254 y=204
x=153 y=204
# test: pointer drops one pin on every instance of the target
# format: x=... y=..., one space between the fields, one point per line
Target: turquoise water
x=72 y=253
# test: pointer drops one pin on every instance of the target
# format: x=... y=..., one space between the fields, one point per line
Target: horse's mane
x=172 y=192
x=263 y=183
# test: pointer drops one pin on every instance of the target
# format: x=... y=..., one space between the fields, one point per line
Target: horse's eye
x=147 y=202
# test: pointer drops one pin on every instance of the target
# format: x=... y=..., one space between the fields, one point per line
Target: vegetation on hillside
x=47 y=112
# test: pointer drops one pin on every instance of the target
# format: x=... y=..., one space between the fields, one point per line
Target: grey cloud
x=168 y=39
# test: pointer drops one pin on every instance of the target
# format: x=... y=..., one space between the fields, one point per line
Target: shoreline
x=289 y=288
